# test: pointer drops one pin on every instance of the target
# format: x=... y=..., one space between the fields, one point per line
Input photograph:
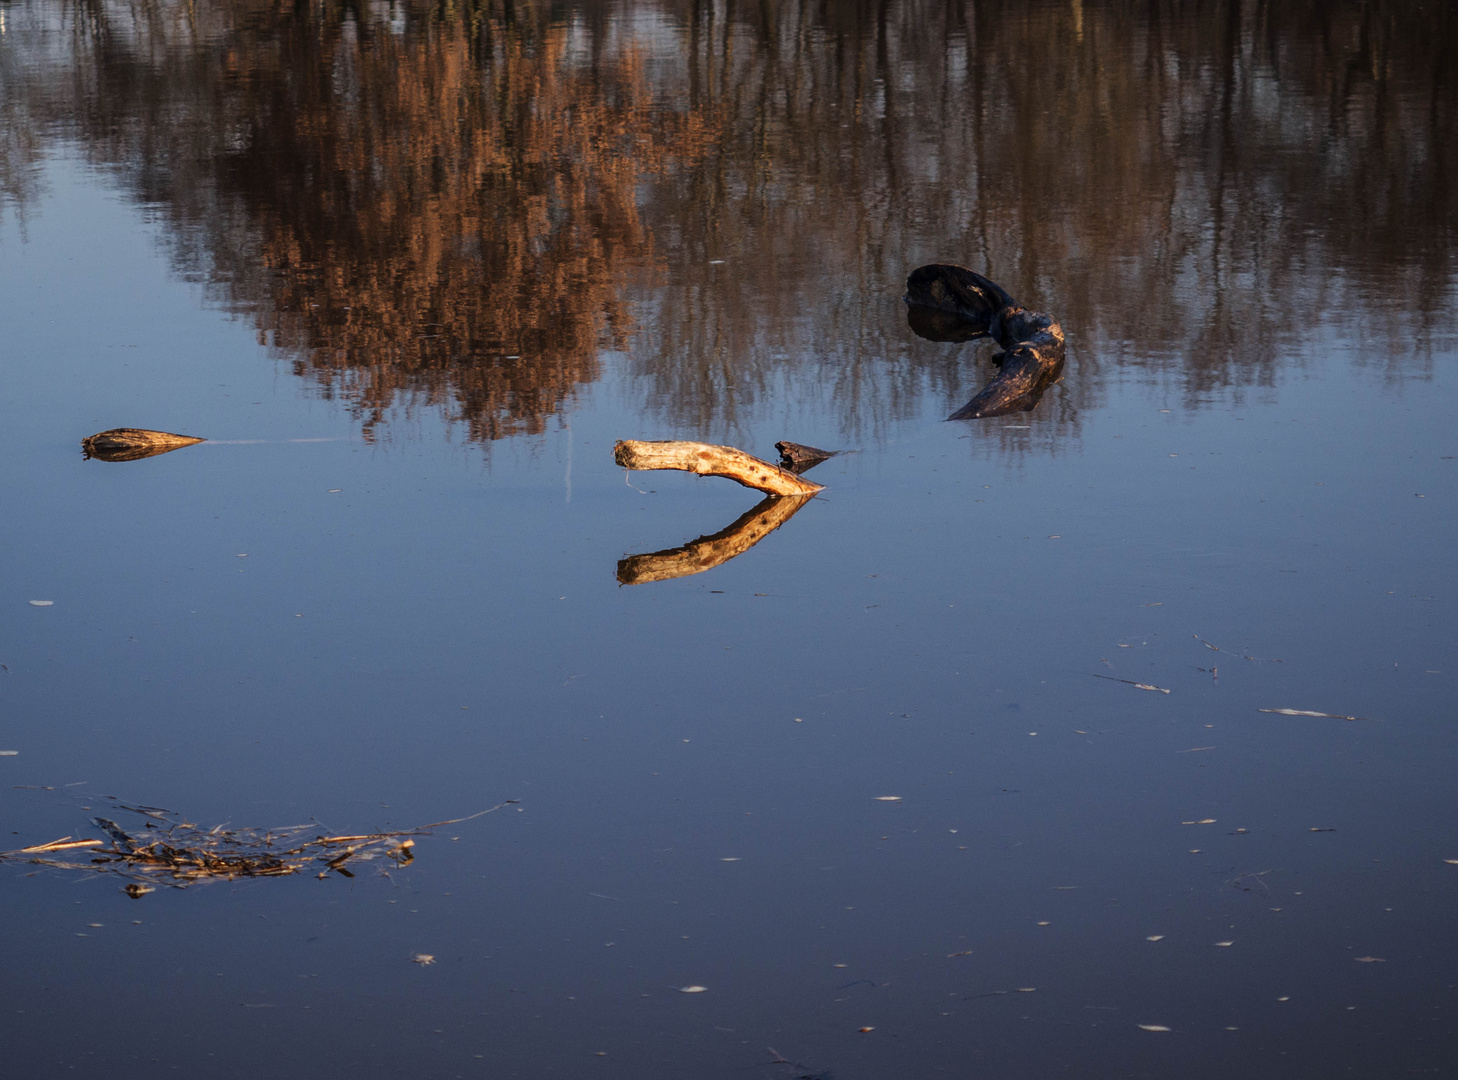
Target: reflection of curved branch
x=951 y=303
x=707 y=552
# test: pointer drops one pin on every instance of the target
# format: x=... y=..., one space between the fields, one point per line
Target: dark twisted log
x=952 y=303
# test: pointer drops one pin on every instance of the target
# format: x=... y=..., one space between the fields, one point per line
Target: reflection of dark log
x=707 y=552
x=707 y=460
x=129 y=444
x=951 y=303
x=957 y=290
x=799 y=458
x=934 y=324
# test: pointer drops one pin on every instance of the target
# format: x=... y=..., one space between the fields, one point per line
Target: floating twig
x=1131 y=682
x=1309 y=712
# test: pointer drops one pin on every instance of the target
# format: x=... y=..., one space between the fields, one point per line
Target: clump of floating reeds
x=167 y=850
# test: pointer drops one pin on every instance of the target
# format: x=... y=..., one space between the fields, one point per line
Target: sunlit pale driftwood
x=706 y=459
x=1032 y=342
x=129 y=444
x=707 y=552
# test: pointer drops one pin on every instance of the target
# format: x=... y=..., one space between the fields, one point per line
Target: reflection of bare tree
x=445 y=208
x=457 y=202
x=454 y=216
x=1193 y=188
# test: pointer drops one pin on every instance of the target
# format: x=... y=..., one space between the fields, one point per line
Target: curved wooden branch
x=1033 y=343
x=129 y=444
x=706 y=459
x=707 y=552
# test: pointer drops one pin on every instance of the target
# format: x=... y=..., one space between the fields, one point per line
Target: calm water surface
x=412 y=269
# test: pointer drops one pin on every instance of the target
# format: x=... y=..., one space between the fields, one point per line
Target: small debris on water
x=1131 y=682
x=888 y=798
x=1309 y=712
x=422 y=958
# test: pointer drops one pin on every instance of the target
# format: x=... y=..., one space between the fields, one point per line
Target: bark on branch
x=708 y=460
x=129 y=444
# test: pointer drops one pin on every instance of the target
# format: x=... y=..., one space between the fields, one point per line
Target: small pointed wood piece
x=705 y=459
x=130 y=444
x=799 y=458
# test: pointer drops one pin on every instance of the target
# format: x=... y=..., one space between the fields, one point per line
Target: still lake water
x=412 y=270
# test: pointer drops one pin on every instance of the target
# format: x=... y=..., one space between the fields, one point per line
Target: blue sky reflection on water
x=699 y=761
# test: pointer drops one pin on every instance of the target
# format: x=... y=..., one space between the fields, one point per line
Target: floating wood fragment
x=130 y=444
x=65 y=843
x=707 y=552
x=706 y=459
x=798 y=458
x=1033 y=342
x=1308 y=712
x=1131 y=682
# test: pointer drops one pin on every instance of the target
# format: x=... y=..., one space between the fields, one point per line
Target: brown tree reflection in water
x=413 y=207
x=461 y=203
x=1197 y=192
x=455 y=215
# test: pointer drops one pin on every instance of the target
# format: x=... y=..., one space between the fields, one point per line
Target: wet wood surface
x=967 y=305
x=706 y=459
x=130 y=444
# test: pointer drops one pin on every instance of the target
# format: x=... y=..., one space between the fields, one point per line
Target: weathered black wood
x=798 y=458
x=958 y=290
x=1033 y=344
